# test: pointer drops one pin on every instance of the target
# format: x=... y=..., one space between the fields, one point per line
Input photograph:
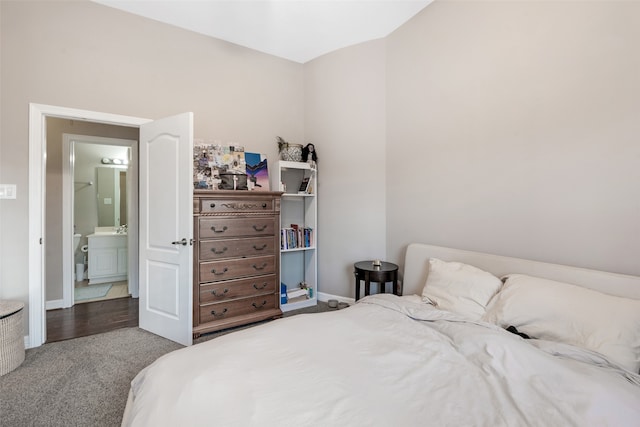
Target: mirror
x=100 y=190
x=111 y=193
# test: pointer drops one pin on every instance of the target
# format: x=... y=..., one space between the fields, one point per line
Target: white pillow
x=557 y=311
x=460 y=288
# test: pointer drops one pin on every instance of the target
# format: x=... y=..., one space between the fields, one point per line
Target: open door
x=166 y=227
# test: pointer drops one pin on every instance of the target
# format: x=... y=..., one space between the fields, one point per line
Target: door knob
x=182 y=242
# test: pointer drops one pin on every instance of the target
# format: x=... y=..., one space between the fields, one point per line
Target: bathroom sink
x=108 y=231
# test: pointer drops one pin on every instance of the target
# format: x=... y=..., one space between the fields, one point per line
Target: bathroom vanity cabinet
x=107 y=258
x=236 y=264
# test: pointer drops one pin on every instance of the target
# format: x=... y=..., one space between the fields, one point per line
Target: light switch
x=7 y=191
x=107 y=200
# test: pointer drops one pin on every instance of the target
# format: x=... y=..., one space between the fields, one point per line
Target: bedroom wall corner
x=345 y=118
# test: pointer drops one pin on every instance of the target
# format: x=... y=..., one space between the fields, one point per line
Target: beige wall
x=345 y=117
x=83 y=55
x=513 y=128
x=507 y=127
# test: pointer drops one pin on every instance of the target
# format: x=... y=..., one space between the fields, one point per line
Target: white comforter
x=386 y=361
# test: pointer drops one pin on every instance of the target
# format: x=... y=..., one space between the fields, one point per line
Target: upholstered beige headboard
x=416 y=270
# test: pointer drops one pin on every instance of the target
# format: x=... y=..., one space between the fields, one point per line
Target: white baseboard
x=326 y=297
x=54 y=304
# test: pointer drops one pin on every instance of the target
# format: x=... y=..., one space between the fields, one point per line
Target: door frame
x=38 y=114
x=68 y=196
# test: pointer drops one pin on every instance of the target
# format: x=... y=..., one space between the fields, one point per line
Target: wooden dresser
x=236 y=264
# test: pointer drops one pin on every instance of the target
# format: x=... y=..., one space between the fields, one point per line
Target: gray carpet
x=85 y=381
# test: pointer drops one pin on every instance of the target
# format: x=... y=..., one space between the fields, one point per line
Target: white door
x=166 y=227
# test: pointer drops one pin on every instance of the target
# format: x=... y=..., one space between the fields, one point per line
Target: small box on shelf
x=283 y=293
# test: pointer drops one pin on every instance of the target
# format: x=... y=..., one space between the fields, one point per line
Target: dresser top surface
x=236 y=193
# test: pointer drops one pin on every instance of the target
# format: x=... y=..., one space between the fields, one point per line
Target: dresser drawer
x=232 y=205
x=239 y=307
x=229 y=248
x=236 y=268
x=239 y=288
x=210 y=228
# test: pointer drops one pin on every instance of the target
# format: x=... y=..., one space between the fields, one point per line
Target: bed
x=476 y=340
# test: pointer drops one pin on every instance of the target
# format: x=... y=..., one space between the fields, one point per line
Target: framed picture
x=257 y=172
x=212 y=160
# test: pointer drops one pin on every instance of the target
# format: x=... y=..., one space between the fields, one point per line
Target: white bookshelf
x=299 y=264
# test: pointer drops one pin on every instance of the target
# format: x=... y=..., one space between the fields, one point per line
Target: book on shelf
x=304 y=185
x=295 y=293
x=308 y=235
x=296 y=237
x=310 y=186
x=297 y=299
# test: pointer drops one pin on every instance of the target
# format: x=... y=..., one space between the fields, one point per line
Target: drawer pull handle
x=212 y=205
x=259 y=306
x=224 y=270
x=264 y=206
x=255 y=286
x=213 y=228
x=255 y=227
x=259 y=268
x=219 y=252
x=213 y=292
x=260 y=249
x=219 y=314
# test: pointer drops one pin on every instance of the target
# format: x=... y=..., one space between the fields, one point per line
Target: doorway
x=100 y=210
x=93 y=198
x=39 y=155
x=165 y=220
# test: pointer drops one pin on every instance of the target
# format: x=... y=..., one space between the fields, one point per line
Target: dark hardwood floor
x=91 y=318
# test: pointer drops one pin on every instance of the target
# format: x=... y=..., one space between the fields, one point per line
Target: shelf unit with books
x=298 y=232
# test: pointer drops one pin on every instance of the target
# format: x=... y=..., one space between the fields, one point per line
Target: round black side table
x=385 y=272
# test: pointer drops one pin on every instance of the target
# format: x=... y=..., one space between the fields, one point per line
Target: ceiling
x=298 y=30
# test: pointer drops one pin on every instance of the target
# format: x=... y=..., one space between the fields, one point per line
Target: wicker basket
x=291 y=152
x=11 y=338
